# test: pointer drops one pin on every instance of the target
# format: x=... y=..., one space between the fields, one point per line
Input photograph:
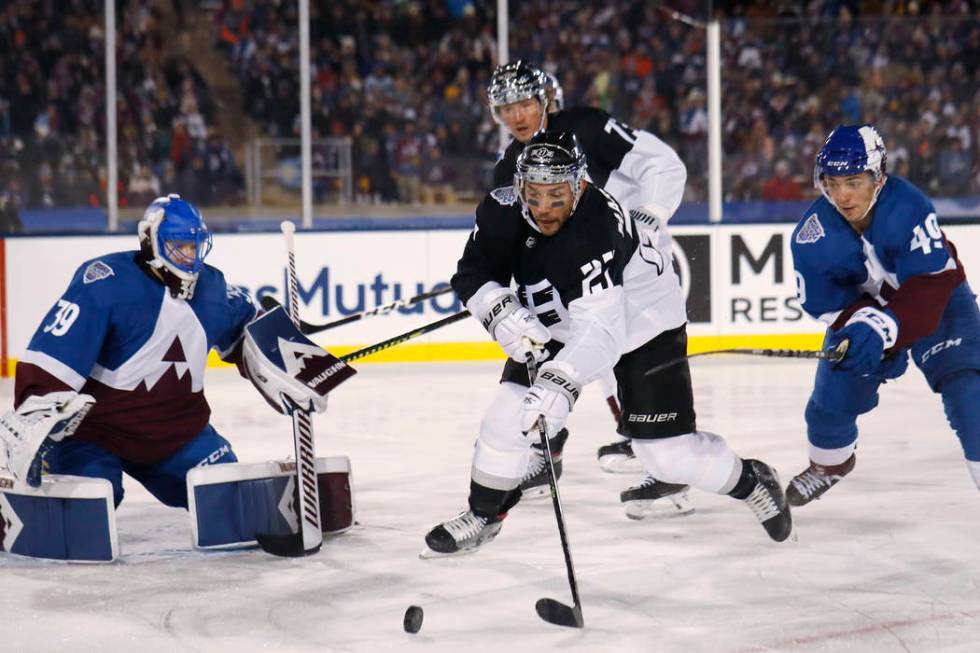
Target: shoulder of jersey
x=817 y=222
x=573 y=117
x=504 y=196
x=107 y=271
x=597 y=207
x=901 y=198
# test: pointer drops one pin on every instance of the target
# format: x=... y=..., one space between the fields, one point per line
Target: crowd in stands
x=52 y=108
x=405 y=80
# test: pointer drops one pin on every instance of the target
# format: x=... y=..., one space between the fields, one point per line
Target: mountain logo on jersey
x=10 y=525
x=504 y=195
x=96 y=271
x=811 y=231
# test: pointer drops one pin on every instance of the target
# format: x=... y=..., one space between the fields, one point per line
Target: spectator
x=781 y=187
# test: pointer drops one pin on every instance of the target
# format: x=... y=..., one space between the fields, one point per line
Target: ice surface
x=886 y=561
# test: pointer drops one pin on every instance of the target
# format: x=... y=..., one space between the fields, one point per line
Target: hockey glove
x=287 y=368
x=552 y=396
x=54 y=416
x=870 y=331
x=513 y=326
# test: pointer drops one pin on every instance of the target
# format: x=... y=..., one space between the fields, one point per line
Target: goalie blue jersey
x=118 y=334
x=902 y=261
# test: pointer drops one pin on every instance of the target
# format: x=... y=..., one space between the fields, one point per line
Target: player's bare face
x=522 y=118
x=550 y=205
x=852 y=196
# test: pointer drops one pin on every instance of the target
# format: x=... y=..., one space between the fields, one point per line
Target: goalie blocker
x=229 y=504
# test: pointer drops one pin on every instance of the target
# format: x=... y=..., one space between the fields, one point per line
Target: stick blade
x=285 y=546
x=555 y=612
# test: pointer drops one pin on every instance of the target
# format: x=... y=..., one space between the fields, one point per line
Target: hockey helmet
x=551 y=158
x=174 y=241
x=514 y=82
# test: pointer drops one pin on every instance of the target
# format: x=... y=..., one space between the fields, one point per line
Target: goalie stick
x=309 y=538
x=833 y=355
x=307 y=328
x=552 y=611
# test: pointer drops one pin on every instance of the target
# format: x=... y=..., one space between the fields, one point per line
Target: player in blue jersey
x=872 y=262
x=118 y=364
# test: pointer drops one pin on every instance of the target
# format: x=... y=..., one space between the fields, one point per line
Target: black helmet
x=550 y=158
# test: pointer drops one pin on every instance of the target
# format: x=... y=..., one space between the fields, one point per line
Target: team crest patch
x=811 y=231
x=504 y=195
x=96 y=272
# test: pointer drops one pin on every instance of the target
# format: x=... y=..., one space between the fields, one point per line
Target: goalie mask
x=551 y=158
x=174 y=241
x=851 y=150
x=514 y=82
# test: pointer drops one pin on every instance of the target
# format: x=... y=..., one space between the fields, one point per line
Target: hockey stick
x=552 y=611
x=306 y=328
x=408 y=335
x=833 y=355
x=309 y=538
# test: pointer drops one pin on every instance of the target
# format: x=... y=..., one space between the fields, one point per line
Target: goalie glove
x=552 y=396
x=26 y=430
x=286 y=367
x=516 y=329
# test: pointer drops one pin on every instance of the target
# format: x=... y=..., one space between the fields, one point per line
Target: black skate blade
x=284 y=546
x=555 y=612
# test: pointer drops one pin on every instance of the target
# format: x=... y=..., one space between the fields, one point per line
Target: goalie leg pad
x=229 y=504
x=67 y=518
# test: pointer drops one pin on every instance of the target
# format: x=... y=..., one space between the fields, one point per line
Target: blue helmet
x=174 y=241
x=851 y=150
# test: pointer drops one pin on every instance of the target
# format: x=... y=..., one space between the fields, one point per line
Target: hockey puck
x=413 y=619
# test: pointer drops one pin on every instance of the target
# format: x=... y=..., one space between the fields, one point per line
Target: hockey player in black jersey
x=582 y=274
x=647 y=178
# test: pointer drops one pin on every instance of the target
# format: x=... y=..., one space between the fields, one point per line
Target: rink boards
x=738 y=280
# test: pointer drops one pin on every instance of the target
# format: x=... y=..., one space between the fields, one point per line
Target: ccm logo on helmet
x=660 y=417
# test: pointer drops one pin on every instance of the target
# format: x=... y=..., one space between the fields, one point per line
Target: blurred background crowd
x=405 y=81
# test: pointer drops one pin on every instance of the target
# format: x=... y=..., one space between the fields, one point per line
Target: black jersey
x=633 y=165
x=572 y=280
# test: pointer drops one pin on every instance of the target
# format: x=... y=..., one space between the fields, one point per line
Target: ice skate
x=535 y=481
x=816 y=479
x=653 y=498
x=618 y=458
x=464 y=533
x=768 y=502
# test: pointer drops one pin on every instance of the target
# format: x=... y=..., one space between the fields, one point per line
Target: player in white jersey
x=582 y=274
x=872 y=262
x=646 y=177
